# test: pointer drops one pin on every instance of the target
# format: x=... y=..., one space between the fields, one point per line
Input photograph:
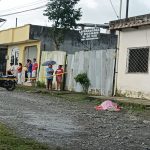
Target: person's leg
x=59 y=83
x=48 y=83
x=26 y=76
x=51 y=84
x=29 y=76
x=19 y=78
x=58 y=86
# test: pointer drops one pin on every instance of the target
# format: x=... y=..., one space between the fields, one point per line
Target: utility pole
x=120 y=12
x=117 y=56
x=16 y=22
x=127 y=9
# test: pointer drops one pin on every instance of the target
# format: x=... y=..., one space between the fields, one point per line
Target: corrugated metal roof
x=131 y=22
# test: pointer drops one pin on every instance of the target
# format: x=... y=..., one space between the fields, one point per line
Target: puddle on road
x=50 y=122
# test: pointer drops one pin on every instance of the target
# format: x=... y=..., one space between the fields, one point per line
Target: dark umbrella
x=51 y=62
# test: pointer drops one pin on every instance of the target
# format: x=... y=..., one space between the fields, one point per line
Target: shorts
x=50 y=80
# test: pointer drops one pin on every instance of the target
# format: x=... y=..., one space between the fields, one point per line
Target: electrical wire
x=19 y=12
x=24 y=6
x=114 y=8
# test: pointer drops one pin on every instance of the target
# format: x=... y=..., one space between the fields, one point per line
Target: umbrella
x=50 y=62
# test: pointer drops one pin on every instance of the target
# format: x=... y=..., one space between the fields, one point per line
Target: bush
x=40 y=84
x=83 y=80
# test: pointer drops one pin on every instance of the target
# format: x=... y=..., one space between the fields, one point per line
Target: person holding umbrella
x=49 y=76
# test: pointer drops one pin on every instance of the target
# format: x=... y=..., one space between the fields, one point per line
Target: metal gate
x=3 y=61
x=99 y=66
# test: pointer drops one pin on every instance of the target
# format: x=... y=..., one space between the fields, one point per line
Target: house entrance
x=3 y=61
x=30 y=53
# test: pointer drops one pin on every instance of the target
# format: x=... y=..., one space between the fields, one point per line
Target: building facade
x=27 y=42
x=133 y=76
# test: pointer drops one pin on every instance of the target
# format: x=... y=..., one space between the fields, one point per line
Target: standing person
x=49 y=76
x=19 y=71
x=24 y=73
x=26 y=70
x=29 y=70
x=59 y=75
x=11 y=69
x=34 y=68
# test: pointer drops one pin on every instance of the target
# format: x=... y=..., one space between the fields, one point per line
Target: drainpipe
x=117 y=56
x=16 y=22
x=116 y=66
x=127 y=9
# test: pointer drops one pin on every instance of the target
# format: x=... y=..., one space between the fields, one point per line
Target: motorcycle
x=8 y=82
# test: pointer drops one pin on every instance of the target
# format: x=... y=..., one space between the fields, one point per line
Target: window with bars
x=138 y=59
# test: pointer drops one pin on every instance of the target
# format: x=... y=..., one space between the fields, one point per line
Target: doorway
x=3 y=61
x=30 y=53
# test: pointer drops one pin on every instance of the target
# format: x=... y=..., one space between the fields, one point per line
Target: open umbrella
x=50 y=62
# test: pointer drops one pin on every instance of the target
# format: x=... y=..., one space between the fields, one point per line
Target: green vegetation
x=40 y=84
x=83 y=80
x=82 y=98
x=9 y=141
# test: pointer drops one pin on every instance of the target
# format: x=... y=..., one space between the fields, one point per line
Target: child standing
x=59 y=75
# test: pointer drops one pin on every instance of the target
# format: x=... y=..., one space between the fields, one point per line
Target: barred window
x=138 y=60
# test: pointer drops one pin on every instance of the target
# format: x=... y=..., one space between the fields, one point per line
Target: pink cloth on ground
x=108 y=105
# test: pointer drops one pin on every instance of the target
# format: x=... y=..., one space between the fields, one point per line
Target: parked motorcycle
x=8 y=82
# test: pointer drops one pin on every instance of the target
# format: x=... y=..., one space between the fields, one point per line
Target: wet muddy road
x=72 y=125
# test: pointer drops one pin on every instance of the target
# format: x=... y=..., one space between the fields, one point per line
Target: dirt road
x=72 y=125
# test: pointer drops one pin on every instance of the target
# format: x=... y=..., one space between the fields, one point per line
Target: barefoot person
x=59 y=75
x=49 y=76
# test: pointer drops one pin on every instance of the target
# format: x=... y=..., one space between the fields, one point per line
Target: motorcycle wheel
x=11 y=87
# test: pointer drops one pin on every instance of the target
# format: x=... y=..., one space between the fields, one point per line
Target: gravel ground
x=72 y=125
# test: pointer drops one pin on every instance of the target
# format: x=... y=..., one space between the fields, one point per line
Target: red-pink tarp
x=108 y=105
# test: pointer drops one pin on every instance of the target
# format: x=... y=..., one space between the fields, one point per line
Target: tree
x=64 y=16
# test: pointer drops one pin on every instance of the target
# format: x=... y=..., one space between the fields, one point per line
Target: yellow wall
x=15 y=35
x=21 y=48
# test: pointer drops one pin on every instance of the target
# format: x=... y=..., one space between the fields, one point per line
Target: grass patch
x=131 y=106
x=82 y=98
x=9 y=141
x=40 y=84
x=125 y=105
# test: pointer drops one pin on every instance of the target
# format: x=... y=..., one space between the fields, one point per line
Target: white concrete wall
x=133 y=84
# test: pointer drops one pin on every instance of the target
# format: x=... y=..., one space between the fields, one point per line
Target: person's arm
x=18 y=68
x=47 y=70
x=56 y=72
x=36 y=66
x=52 y=71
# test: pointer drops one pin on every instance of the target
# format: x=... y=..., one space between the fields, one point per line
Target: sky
x=93 y=11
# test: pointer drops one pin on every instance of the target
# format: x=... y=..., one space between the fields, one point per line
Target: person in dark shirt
x=29 y=70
